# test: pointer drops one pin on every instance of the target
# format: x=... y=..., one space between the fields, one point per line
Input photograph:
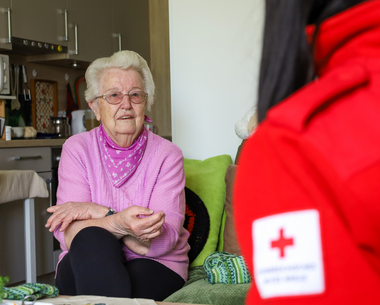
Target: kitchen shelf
x=7 y=97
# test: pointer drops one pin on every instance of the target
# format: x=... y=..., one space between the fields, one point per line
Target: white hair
x=123 y=60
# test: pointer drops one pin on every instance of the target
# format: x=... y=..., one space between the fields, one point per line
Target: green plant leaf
x=3 y=281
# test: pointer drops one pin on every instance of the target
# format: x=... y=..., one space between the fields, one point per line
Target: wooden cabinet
x=5 y=11
x=89 y=29
x=119 y=13
x=40 y=20
x=94 y=29
x=130 y=20
x=107 y=27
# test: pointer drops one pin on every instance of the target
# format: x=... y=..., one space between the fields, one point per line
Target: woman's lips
x=126 y=117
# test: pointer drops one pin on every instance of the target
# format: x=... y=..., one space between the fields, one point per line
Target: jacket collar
x=353 y=33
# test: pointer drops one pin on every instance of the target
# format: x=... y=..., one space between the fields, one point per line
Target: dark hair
x=287 y=58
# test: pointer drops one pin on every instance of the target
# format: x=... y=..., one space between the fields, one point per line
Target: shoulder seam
x=296 y=111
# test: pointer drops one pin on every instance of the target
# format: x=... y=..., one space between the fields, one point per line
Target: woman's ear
x=94 y=106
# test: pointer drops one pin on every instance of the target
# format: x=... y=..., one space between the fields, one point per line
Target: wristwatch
x=111 y=211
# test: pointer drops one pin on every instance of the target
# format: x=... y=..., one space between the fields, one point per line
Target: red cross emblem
x=281 y=243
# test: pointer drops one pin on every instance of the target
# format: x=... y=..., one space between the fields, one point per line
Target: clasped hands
x=136 y=225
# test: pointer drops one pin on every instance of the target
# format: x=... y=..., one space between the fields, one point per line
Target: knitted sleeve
x=168 y=196
x=73 y=180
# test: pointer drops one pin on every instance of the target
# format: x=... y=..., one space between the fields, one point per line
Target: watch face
x=111 y=212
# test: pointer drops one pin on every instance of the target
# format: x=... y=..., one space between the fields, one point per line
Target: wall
x=215 y=49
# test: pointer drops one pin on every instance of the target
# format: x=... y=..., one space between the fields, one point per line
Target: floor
x=47 y=279
x=43 y=279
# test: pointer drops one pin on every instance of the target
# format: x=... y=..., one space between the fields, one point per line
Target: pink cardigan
x=157 y=184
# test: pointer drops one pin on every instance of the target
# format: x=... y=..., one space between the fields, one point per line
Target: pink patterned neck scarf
x=121 y=163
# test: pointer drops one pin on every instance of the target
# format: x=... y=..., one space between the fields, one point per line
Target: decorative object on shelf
x=2 y=115
x=70 y=103
x=26 y=89
x=247 y=125
x=2 y=125
x=18 y=132
x=18 y=108
x=8 y=133
x=80 y=87
x=60 y=127
x=30 y=132
x=44 y=103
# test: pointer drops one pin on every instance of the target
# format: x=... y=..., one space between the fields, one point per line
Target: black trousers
x=95 y=266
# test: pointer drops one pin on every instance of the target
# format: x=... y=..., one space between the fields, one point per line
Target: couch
x=209 y=183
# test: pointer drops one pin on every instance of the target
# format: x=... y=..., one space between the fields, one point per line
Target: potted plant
x=3 y=281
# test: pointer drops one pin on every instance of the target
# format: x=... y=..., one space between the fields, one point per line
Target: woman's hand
x=68 y=212
x=136 y=245
x=138 y=222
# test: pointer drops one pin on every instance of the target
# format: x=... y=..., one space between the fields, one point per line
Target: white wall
x=215 y=49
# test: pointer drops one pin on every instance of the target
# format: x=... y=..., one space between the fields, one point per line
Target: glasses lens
x=114 y=97
x=137 y=97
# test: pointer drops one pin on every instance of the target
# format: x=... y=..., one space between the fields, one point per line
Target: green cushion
x=221 y=233
x=198 y=290
x=206 y=179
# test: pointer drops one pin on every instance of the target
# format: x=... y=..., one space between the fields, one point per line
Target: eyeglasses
x=135 y=97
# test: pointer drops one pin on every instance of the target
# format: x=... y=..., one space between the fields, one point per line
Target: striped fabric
x=38 y=290
x=226 y=268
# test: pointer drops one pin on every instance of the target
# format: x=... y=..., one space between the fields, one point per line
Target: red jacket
x=307 y=190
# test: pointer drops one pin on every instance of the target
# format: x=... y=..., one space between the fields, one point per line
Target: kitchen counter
x=31 y=143
x=39 y=142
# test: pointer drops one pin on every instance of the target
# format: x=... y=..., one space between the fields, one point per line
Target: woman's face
x=122 y=122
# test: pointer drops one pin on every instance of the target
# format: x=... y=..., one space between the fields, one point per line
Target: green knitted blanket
x=35 y=289
x=226 y=268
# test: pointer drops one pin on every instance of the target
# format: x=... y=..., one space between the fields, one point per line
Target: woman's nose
x=125 y=102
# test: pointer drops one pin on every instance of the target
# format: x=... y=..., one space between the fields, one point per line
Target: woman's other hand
x=66 y=213
x=139 y=222
x=136 y=245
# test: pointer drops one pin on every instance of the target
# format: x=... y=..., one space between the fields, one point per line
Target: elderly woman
x=120 y=202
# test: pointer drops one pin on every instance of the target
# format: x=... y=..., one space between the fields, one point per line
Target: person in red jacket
x=307 y=188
